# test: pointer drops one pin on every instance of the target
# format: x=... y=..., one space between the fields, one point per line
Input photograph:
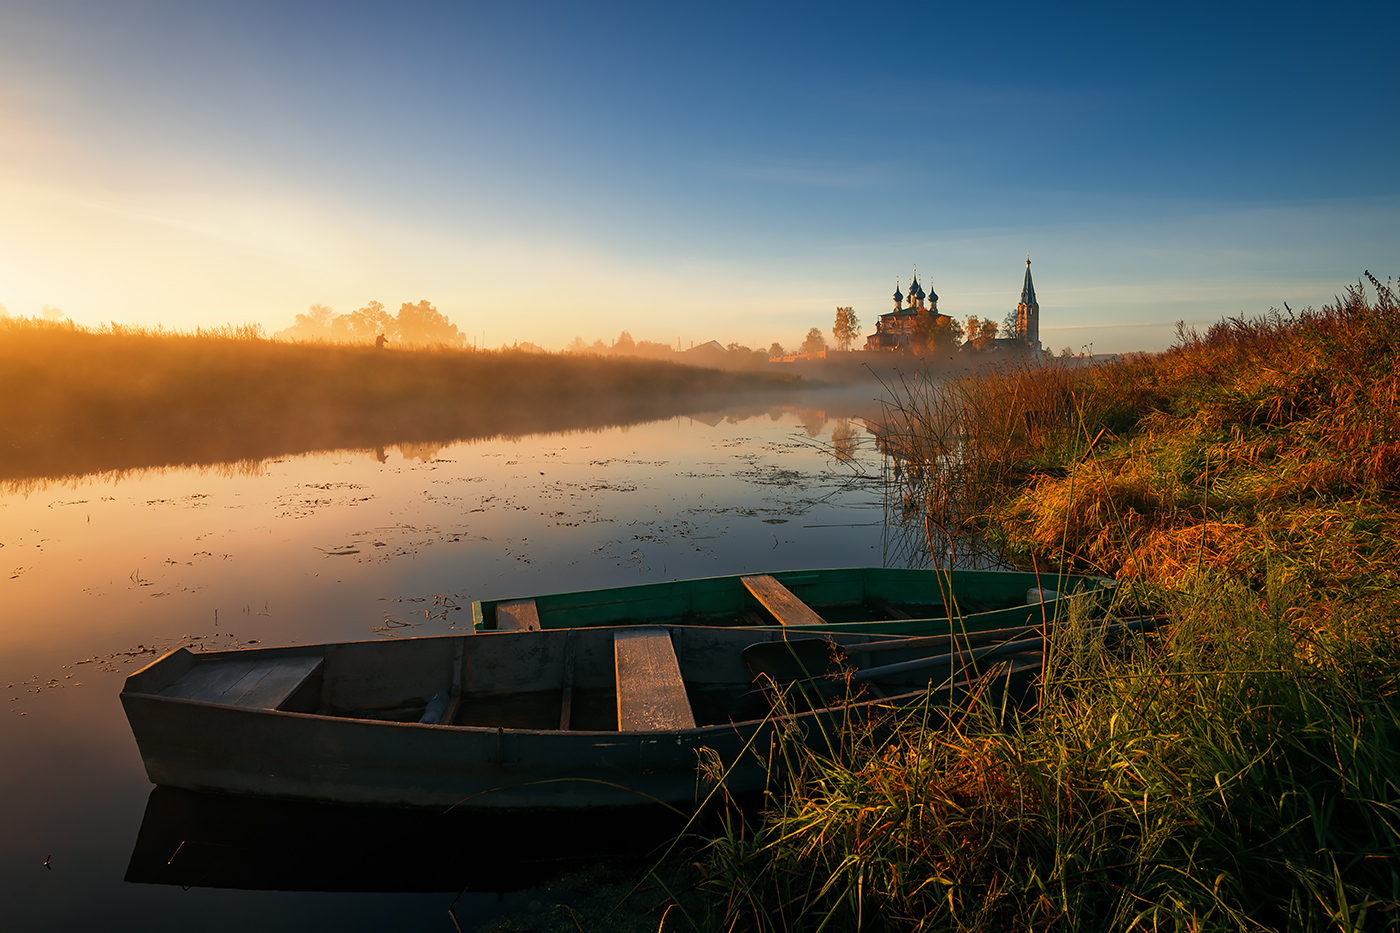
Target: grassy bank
x=80 y=401
x=1237 y=770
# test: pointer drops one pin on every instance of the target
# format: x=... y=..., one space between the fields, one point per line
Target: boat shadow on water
x=197 y=839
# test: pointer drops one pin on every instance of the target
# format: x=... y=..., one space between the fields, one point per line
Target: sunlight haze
x=734 y=172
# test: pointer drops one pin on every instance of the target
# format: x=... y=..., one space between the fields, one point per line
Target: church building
x=896 y=329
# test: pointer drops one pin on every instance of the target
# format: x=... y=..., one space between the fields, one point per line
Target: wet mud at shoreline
x=103 y=573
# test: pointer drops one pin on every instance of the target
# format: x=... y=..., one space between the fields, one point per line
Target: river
x=101 y=574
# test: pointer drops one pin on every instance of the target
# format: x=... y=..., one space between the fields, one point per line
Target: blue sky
x=541 y=171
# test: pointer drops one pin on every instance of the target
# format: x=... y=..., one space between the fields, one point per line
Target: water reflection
x=418 y=431
x=100 y=573
x=195 y=839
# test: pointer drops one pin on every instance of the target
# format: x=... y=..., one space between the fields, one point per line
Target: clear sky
x=694 y=171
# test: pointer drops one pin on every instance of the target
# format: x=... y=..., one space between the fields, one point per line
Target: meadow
x=82 y=401
x=1237 y=769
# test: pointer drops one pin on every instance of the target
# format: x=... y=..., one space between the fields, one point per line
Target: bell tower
x=1028 y=311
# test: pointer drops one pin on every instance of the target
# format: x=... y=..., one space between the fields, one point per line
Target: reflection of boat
x=552 y=719
x=222 y=841
x=861 y=599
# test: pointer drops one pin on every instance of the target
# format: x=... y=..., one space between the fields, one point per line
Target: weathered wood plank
x=270 y=684
x=650 y=692
x=778 y=599
x=207 y=681
x=519 y=615
x=262 y=684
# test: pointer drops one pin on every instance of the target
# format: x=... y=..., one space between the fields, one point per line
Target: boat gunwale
x=1101 y=585
x=897 y=700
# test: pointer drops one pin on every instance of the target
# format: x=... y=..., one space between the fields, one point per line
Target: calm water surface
x=100 y=575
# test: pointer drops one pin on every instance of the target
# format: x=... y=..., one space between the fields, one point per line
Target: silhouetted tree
x=814 y=342
x=847 y=327
x=776 y=351
x=1011 y=324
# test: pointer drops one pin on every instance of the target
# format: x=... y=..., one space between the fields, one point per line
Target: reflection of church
x=895 y=329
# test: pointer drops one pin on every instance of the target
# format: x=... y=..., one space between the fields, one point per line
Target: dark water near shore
x=99 y=575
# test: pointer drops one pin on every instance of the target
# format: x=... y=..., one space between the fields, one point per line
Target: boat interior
x=788 y=598
x=633 y=679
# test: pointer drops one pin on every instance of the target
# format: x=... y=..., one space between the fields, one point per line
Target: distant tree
x=847 y=327
x=315 y=324
x=732 y=346
x=1011 y=324
x=937 y=334
x=52 y=314
x=776 y=351
x=4 y=311
x=1067 y=352
x=364 y=325
x=599 y=347
x=576 y=346
x=423 y=324
x=814 y=342
x=624 y=343
x=980 y=334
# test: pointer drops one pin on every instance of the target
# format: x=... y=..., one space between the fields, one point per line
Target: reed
x=1238 y=769
x=1208 y=778
x=80 y=401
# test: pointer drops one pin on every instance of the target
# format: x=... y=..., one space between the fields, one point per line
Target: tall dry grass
x=80 y=401
x=1210 y=778
x=1237 y=770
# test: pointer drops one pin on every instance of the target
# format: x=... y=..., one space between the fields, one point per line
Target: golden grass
x=80 y=401
x=1237 y=771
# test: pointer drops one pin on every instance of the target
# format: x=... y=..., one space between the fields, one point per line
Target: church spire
x=1028 y=289
x=1028 y=311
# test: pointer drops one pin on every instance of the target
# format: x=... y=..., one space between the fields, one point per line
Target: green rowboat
x=869 y=600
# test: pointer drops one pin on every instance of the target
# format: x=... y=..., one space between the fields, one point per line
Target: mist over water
x=101 y=574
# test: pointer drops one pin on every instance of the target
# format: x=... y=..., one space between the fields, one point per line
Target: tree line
x=418 y=324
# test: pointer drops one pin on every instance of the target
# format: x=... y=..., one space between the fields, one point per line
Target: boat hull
x=325 y=738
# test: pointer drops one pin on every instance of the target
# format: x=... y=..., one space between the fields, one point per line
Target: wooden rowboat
x=591 y=717
x=880 y=600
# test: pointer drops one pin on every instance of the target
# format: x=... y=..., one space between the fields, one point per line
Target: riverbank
x=1240 y=769
x=79 y=401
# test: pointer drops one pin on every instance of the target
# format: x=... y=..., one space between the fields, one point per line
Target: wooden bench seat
x=262 y=683
x=779 y=600
x=650 y=692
